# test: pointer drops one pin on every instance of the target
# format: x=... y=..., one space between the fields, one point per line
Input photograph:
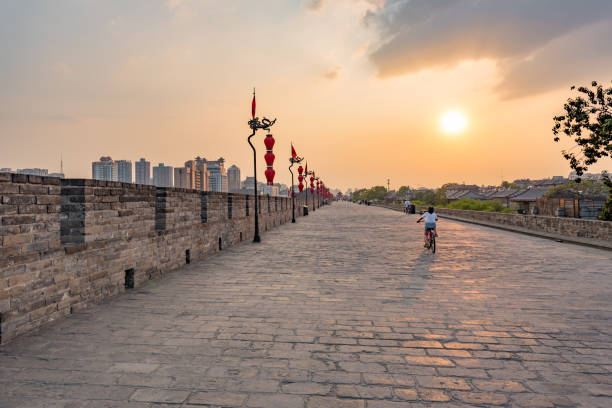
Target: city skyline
x=198 y=174
x=369 y=93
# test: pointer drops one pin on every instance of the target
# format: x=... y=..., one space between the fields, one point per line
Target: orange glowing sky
x=359 y=86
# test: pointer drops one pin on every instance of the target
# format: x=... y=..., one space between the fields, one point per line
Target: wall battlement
x=69 y=243
x=575 y=230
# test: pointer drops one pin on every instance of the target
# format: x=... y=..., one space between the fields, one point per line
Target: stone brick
x=331 y=402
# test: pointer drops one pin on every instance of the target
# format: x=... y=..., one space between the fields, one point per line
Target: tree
x=377 y=193
x=507 y=185
x=606 y=211
x=425 y=196
x=586 y=188
x=588 y=120
x=441 y=194
x=403 y=191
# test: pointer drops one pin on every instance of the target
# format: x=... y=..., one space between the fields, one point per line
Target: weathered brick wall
x=66 y=244
x=589 y=232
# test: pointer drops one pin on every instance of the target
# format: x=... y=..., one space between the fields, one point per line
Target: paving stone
x=443 y=382
x=406 y=393
x=159 y=395
x=275 y=400
x=331 y=402
x=225 y=399
x=310 y=388
x=485 y=398
x=364 y=391
x=433 y=395
x=357 y=311
x=429 y=361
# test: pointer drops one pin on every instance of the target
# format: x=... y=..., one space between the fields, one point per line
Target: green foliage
x=476 y=205
x=574 y=189
x=427 y=197
x=588 y=120
x=403 y=191
x=441 y=199
x=606 y=212
x=374 y=193
x=417 y=202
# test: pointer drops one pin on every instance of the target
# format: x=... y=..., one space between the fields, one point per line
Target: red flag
x=293 y=153
x=253 y=106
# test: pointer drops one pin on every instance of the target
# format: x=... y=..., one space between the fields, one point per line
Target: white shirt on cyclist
x=406 y=203
x=430 y=217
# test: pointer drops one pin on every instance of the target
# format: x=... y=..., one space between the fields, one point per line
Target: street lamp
x=312 y=179
x=318 y=201
x=301 y=179
x=306 y=174
x=294 y=159
x=255 y=124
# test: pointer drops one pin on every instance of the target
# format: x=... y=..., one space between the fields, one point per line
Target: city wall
x=576 y=230
x=67 y=244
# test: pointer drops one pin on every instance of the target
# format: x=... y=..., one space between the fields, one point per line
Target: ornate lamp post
x=301 y=179
x=294 y=159
x=255 y=124
x=317 y=189
x=306 y=174
x=312 y=179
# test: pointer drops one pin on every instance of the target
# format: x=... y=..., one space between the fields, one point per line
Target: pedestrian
x=407 y=206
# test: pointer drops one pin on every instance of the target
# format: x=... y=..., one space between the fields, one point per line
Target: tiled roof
x=531 y=194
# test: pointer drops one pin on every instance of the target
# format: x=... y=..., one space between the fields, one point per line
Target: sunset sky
x=359 y=86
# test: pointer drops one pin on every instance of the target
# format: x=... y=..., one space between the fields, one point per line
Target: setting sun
x=453 y=122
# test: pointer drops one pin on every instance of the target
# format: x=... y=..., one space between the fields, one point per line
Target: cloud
x=415 y=35
x=332 y=73
x=313 y=4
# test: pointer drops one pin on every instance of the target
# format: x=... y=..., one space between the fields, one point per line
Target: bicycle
x=431 y=240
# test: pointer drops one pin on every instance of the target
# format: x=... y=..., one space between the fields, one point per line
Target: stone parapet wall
x=576 y=230
x=66 y=244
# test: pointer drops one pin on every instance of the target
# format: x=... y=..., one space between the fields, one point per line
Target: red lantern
x=270 y=175
x=269 y=141
x=300 y=178
x=300 y=171
x=301 y=187
x=311 y=190
x=269 y=158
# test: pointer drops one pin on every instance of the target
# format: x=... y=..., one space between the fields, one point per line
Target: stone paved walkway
x=343 y=309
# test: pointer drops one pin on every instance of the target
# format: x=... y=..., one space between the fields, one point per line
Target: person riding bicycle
x=407 y=206
x=430 y=218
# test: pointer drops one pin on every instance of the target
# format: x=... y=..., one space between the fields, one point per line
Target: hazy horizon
x=358 y=86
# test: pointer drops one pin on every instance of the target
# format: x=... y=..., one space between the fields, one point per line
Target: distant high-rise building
x=34 y=172
x=143 y=171
x=180 y=180
x=247 y=186
x=58 y=175
x=6 y=170
x=124 y=171
x=218 y=176
x=202 y=168
x=162 y=175
x=184 y=177
x=233 y=179
x=193 y=178
x=105 y=169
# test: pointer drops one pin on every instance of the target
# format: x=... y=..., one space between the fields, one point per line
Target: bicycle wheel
x=432 y=244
